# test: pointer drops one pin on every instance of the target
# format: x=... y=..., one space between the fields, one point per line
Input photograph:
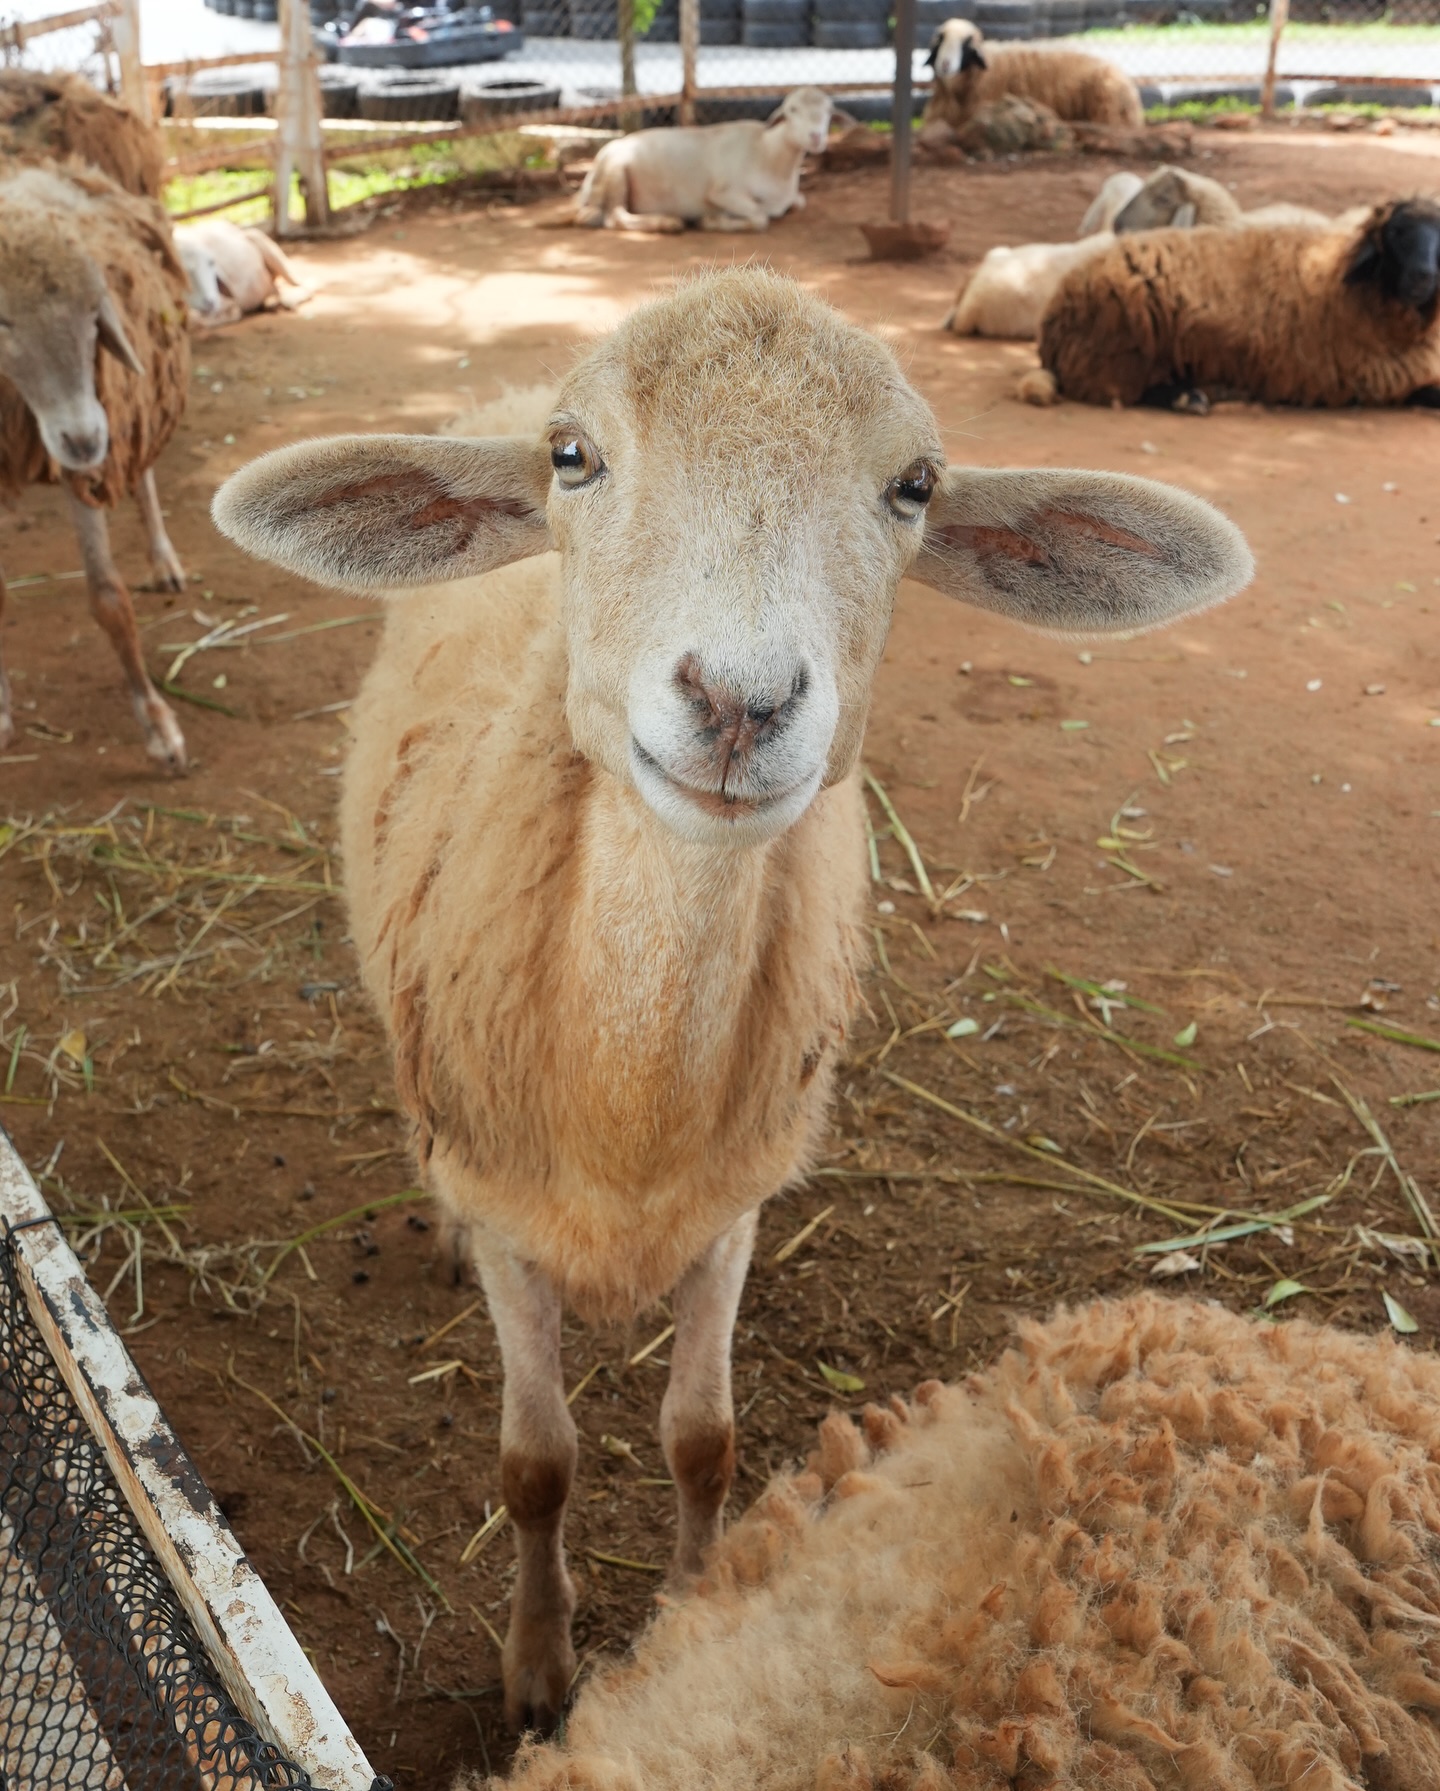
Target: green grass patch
x=361 y=175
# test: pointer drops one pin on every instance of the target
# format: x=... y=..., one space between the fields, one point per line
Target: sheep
x=1279 y=316
x=1008 y=292
x=57 y=117
x=1109 y=202
x=969 y=73
x=733 y=176
x=233 y=271
x=1155 y=1545
x=1173 y=198
x=602 y=824
x=94 y=368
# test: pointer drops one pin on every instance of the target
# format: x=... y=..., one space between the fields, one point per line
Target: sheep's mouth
x=718 y=803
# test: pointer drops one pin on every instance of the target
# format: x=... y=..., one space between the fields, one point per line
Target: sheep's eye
x=908 y=495
x=576 y=463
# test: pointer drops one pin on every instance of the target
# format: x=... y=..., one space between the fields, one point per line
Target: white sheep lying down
x=1156 y=1547
x=721 y=176
x=233 y=272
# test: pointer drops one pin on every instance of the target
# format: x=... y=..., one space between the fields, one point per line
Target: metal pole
x=689 y=57
x=125 y=34
x=1279 y=18
x=901 y=112
x=300 y=144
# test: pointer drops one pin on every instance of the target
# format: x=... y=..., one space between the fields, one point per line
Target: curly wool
x=1263 y=313
x=129 y=238
x=56 y=117
x=1157 y=1547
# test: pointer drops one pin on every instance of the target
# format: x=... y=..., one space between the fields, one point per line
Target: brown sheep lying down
x=1278 y=315
x=969 y=74
x=1155 y=1546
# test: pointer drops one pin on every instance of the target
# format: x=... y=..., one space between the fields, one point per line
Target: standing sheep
x=721 y=176
x=1281 y=316
x=1155 y=1546
x=94 y=367
x=969 y=73
x=602 y=823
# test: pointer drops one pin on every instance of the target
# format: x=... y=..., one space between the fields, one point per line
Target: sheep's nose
x=734 y=720
x=81 y=449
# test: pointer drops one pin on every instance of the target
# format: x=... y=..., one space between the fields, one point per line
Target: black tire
x=774 y=37
x=719 y=11
x=265 y=11
x=244 y=9
x=322 y=11
x=726 y=111
x=481 y=101
x=852 y=12
x=777 y=12
x=222 y=93
x=225 y=6
x=549 y=19
x=720 y=31
x=339 y=92
x=400 y=98
x=663 y=29
x=848 y=36
x=594 y=25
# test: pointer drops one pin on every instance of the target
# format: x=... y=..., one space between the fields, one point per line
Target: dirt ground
x=1236 y=820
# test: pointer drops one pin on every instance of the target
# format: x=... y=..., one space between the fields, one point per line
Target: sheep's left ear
x=934 y=51
x=776 y=117
x=972 y=57
x=385 y=511
x=1078 y=553
x=112 y=334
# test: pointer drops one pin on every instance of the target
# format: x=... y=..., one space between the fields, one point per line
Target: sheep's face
x=206 y=295
x=1400 y=252
x=736 y=480
x=806 y=114
x=54 y=310
x=955 y=48
x=1157 y=205
x=734 y=502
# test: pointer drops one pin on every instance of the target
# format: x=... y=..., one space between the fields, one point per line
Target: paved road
x=174 y=29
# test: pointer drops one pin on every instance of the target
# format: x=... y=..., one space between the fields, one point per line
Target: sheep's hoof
x=163 y=740
x=536 y=1689
x=1038 y=386
x=169 y=574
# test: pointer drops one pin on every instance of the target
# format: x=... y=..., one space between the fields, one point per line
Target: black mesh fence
x=104 y=1685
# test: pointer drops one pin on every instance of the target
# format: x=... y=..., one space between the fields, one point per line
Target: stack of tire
x=720 y=21
x=594 y=21
x=930 y=15
x=850 y=24
x=505 y=96
x=244 y=92
x=775 y=24
x=545 y=18
x=1066 y=18
x=403 y=96
x=665 y=26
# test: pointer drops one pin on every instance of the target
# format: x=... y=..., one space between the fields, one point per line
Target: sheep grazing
x=1281 y=316
x=969 y=73
x=55 y=117
x=85 y=266
x=602 y=823
x=1156 y=1545
x=721 y=176
x=233 y=272
x=1173 y=198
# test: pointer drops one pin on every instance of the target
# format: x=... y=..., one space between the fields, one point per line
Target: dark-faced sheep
x=57 y=117
x=602 y=823
x=94 y=367
x=969 y=73
x=1282 y=316
x=1157 y=1547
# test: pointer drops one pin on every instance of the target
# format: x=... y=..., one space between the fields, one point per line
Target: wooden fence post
x=902 y=111
x=125 y=34
x=689 y=55
x=300 y=143
x=1279 y=18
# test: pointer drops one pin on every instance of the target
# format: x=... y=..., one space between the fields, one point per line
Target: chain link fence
x=78 y=40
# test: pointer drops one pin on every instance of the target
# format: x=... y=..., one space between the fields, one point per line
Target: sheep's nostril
x=82 y=449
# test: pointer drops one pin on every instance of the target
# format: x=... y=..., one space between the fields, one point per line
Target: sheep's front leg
x=537 y=1465
x=727 y=209
x=111 y=607
x=697 y=1416
x=169 y=573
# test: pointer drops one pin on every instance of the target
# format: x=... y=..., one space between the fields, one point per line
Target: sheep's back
x=1264 y=314
x=129 y=238
x=1156 y=1544
x=57 y=117
x=1076 y=86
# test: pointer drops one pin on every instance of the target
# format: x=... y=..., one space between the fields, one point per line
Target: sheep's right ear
x=384 y=511
x=1184 y=218
x=972 y=57
x=934 y=51
x=110 y=328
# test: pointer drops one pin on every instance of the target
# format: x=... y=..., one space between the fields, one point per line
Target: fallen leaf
x=73 y=1045
x=1187 y=1034
x=1177 y=1262
x=962 y=1029
x=1398 y=1316
x=839 y=1380
x=1284 y=1290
